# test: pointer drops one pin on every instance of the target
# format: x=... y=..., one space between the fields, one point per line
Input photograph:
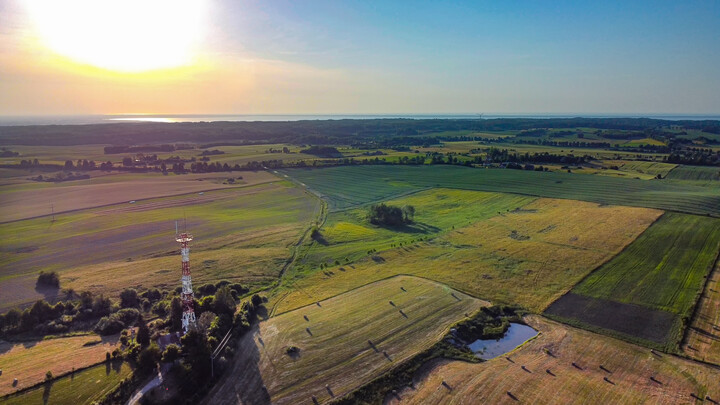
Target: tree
x=86 y=300
x=101 y=306
x=176 y=312
x=205 y=320
x=224 y=302
x=409 y=212
x=148 y=358
x=256 y=300
x=143 y=333
x=129 y=298
x=12 y=318
x=388 y=215
x=127 y=161
x=197 y=350
x=50 y=279
x=171 y=353
x=69 y=165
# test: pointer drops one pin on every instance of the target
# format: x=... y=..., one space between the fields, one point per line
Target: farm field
x=29 y=361
x=646 y=170
x=347 y=234
x=698 y=173
x=648 y=288
x=346 y=186
x=233 y=154
x=702 y=338
x=82 y=387
x=241 y=233
x=628 y=377
x=31 y=199
x=528 y=256
x=401 y=316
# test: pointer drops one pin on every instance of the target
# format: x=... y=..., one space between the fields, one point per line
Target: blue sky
x=425 y=57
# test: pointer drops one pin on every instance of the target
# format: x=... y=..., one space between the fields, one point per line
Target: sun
x=121 y=36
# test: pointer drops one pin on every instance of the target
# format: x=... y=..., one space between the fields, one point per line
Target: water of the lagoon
x=516 y=335
x=99 y=119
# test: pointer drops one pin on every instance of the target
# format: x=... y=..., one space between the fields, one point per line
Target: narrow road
x=152 y=384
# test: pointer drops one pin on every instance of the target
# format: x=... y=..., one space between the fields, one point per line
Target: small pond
x=515 y=336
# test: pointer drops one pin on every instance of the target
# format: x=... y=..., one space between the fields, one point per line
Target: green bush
x=50 y=279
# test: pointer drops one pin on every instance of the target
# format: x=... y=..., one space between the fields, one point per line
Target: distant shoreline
x=173 y=118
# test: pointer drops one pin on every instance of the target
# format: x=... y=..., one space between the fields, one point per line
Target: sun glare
x=122 y=36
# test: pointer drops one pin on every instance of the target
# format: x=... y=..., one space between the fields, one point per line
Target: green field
x=347 y=186
x=659 y=276
x=82 y=387
x=241 y=234
x=346 y=234
x=401 y=316
x=524 y=254
x=663 y=269
x=700 y=173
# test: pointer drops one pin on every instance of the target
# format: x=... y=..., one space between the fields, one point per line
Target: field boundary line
x=37 y=385
x=385 y=279
x=138 y=200
x=708 y=277
x=319 y=222
x=388 y=198
x=607 y=261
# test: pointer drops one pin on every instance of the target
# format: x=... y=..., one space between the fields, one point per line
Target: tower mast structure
x=188 y=317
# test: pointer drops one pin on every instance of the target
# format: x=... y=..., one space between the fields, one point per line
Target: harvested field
x=663 y=270
x=249 y=226
x=347 y=186
x=343 y=342
x=702 y=338
x=28 y=200
x=29 y=361
x=528 y=256
x=82 y=387
x=552 y=378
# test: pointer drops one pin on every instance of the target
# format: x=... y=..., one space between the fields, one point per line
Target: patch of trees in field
x=390 y=215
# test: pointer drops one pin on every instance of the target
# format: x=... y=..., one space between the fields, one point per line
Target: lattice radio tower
x=188 y=318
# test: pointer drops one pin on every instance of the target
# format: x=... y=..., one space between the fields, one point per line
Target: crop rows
x=348 y=186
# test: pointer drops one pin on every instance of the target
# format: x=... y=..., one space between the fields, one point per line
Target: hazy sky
x=320 y=57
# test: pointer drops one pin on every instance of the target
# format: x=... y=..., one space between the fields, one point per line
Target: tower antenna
x=188 y=317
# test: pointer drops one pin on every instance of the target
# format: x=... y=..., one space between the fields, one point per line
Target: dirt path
x=322 y=217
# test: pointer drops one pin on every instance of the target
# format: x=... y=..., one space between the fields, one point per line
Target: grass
x=348 y=234
x=702 y=338
x=83 y=387
x=649 y=290
x=645 y=141
x=242 y=233
x=528 y=256
x=663 y=269
x=630 y=369
x=30 y=199
x=348 y=186
x=642 y=169
x=701 y=173
x=29 y=361
x=333 y=341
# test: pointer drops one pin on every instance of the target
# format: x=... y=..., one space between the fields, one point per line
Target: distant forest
x=314 y=132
